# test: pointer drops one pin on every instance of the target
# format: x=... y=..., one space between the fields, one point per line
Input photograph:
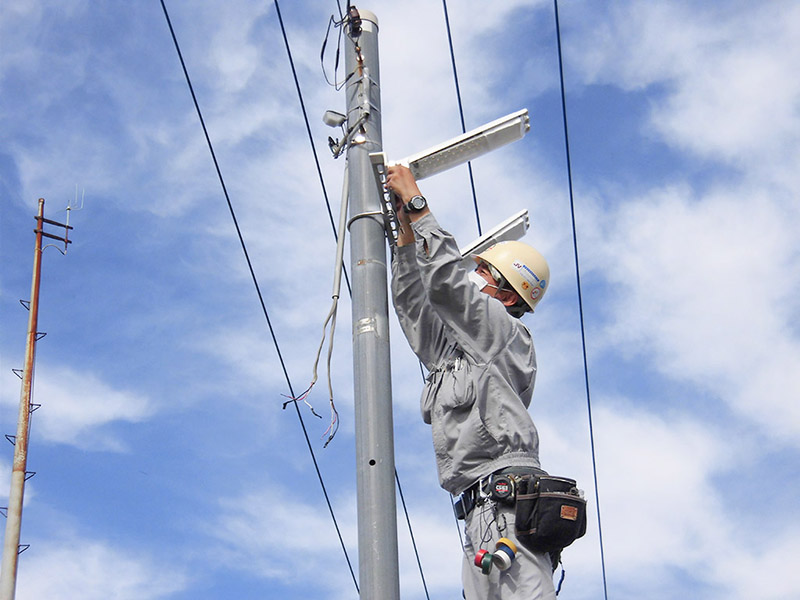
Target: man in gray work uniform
x=465 y=328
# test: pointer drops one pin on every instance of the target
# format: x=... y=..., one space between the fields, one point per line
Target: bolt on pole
x=377 y=510
x=8 y=574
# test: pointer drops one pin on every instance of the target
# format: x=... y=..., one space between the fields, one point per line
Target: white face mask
x=477 y=280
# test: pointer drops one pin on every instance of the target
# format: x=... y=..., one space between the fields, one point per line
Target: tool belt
x=550 y=512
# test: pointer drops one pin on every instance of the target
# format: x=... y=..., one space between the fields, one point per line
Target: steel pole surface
x=377 y=511
x=8 y=575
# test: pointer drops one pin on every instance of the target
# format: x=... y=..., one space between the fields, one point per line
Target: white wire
x=331 y=318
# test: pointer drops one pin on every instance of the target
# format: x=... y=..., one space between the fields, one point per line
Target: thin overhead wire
x=255 y=283
x=411 y=533
x=461 y=113
x=580 y=297
x=575 y=245
x=308 y=130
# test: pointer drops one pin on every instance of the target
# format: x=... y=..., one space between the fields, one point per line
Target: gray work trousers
x=530 y=576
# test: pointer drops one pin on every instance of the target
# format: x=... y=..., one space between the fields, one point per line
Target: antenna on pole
x=19 y=474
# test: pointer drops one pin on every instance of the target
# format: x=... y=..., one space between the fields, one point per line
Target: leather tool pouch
x=550 y=513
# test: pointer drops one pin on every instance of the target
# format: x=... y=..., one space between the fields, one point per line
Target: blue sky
x=166 y=468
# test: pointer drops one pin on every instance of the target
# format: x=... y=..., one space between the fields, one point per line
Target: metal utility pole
x=19 y=474
x=377 y=510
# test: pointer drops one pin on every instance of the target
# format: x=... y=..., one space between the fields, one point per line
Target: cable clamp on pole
x=371 y=213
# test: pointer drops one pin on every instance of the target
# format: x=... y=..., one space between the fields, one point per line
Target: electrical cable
x=255 y=283
x=461 y=113
x=308 y=129
x=411 y=533
x=337 y=24
x=340 y=26
x=334 y=425
x=580 y=297
x=331 y=318
x=469 y=169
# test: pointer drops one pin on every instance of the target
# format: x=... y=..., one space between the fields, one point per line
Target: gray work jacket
x=480 y=359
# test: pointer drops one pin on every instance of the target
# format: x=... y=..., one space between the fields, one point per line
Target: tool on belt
x=550 y=512
x=500 y=487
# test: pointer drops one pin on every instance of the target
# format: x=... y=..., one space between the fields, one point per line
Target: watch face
x=417 y=203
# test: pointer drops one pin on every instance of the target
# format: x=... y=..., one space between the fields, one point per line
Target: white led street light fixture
x=470 y=145
x=512 y=228
x=452 y=153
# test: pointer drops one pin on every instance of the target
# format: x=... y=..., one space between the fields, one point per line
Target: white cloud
x=661 y=472
x=728 y=76
x=707 y=288
x=266 y=534
x=721 y=86
x=79 y=409
x=437 y=543
x=84 y=569
x=778 y=563
x=662 y=514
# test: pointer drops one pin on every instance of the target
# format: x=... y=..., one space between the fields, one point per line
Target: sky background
x=166 y=467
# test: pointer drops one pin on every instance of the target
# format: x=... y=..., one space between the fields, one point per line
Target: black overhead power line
x=580 y=297
x=255 y=281
x=575 y=247
x=258 y=289
x=477 y=216
x=310 y=136
x=461 y=113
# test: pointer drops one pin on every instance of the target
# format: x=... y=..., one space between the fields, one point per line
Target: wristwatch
x=416 y=204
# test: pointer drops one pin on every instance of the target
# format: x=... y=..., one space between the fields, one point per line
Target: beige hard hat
x=523 y=268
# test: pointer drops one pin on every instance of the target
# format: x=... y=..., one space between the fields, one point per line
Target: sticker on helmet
x=535 y=293
x=526 y=273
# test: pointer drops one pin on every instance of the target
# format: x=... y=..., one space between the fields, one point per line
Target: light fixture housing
x=469 y=145
x=452 y=153
x=331 y=118
x=512 y=228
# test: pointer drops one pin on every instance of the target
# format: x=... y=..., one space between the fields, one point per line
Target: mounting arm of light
x=470 y=145
x=355 y=133
x=512 y=228
x=351 y=136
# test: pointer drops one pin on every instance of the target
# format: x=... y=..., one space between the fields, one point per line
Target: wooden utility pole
x=19 y=474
